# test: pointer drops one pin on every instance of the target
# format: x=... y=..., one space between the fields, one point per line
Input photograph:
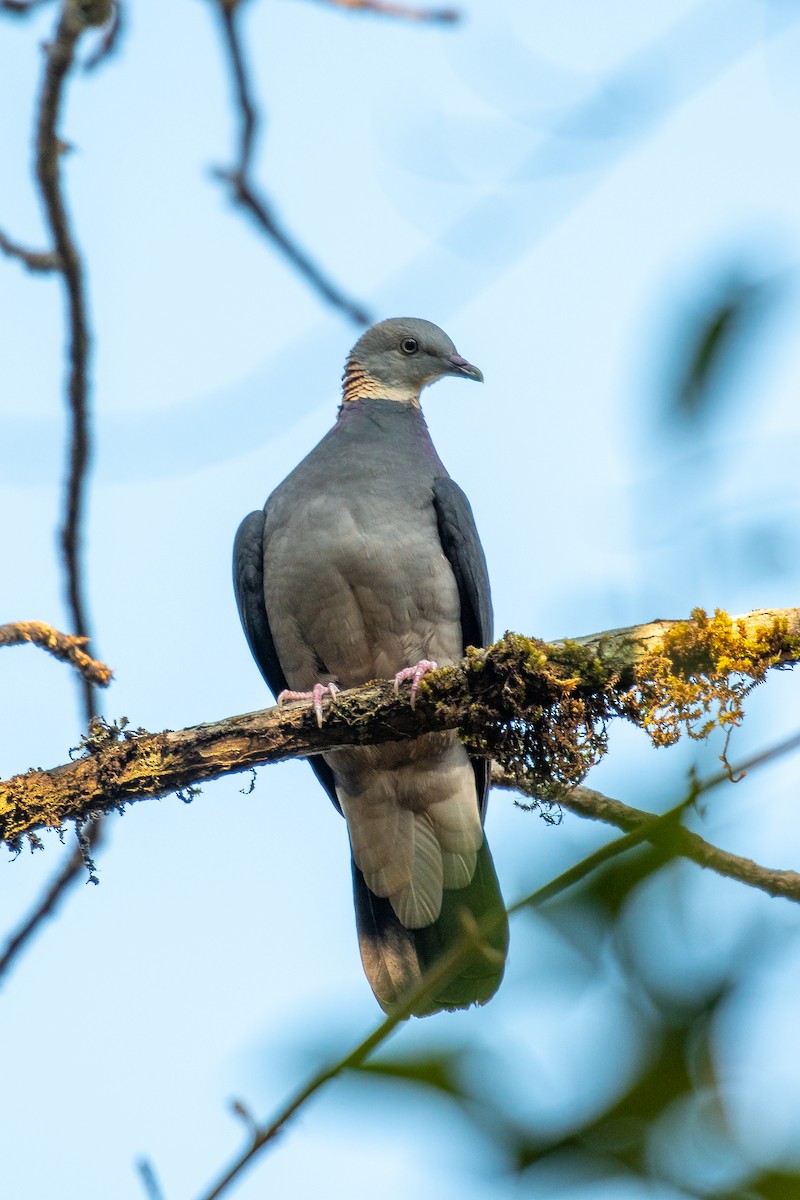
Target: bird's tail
x=394 y=957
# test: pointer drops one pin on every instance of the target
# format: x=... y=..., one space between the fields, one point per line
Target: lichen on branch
x=542 y=709
x=699 y=677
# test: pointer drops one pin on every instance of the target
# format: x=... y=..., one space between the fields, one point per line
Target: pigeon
x=365 y=563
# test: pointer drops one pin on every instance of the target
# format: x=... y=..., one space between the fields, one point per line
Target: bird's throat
x=358 y=384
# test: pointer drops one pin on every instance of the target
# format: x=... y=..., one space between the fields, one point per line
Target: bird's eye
x=409 y=345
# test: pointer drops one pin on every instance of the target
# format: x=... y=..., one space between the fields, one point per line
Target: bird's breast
x=389 y=597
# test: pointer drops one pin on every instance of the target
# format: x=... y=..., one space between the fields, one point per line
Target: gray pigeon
x=366 y=564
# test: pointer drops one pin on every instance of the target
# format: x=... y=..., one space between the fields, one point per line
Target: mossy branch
x=541 y=710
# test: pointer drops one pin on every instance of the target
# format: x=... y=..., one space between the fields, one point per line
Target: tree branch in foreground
x=262 y=1135
x=540 y=710
x=65 y=646
x=243 y=189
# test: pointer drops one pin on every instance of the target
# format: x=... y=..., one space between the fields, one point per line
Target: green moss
x=546 y=708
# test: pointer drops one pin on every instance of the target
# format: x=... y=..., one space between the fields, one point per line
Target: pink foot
x=315 y=696
x=415 y=674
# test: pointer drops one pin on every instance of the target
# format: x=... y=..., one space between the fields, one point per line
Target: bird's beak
x=462 y=367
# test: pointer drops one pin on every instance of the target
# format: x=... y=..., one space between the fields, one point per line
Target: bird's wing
x=248 y=584
x=463 y=550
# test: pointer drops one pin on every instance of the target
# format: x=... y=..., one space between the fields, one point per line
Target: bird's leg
x=315 y=696
x=415 y=674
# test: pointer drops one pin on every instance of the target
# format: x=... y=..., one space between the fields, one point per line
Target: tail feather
x=394 y=957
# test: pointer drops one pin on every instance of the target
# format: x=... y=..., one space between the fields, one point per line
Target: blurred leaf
x=585 y=916
x=620 y=1133
x=610 y=888
x=675 y=1067
x=772 y=1185
x=713 y=337
x=438 y=1070
x=607 y=889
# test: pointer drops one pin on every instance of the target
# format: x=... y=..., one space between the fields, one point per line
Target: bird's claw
x=315 y=696
x=415 y=674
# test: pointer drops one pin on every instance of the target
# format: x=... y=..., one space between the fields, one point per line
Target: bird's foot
x=315 y=696
x=415 y=674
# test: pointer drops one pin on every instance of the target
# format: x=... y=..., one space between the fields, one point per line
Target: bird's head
x=397 y=358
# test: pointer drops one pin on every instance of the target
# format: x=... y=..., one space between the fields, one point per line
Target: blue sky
x=559 y=186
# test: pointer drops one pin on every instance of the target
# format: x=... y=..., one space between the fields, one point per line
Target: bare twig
x=149 y=1181
x=21 y=8
x=65 y=646
x=46 y=905
x=440 y=973
x=405 y=11
x=245 y=192
x=60 y=57
x=41 y=261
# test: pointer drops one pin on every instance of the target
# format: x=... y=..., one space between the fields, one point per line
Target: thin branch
x=588 y=803
x=245 y=192
x=404 y=11
x=149 y=1180
x=64 y=646
x=69 y=649
x=40 y=261
x=49 y=148
x=21 y=8
x=440 y=972
x=47 y=904
x=75 y=17
x=248 y=117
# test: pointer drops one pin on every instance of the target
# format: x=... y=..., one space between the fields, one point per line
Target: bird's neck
x=358 y=384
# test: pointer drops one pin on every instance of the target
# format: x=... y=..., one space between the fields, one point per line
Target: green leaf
x=721 y=332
